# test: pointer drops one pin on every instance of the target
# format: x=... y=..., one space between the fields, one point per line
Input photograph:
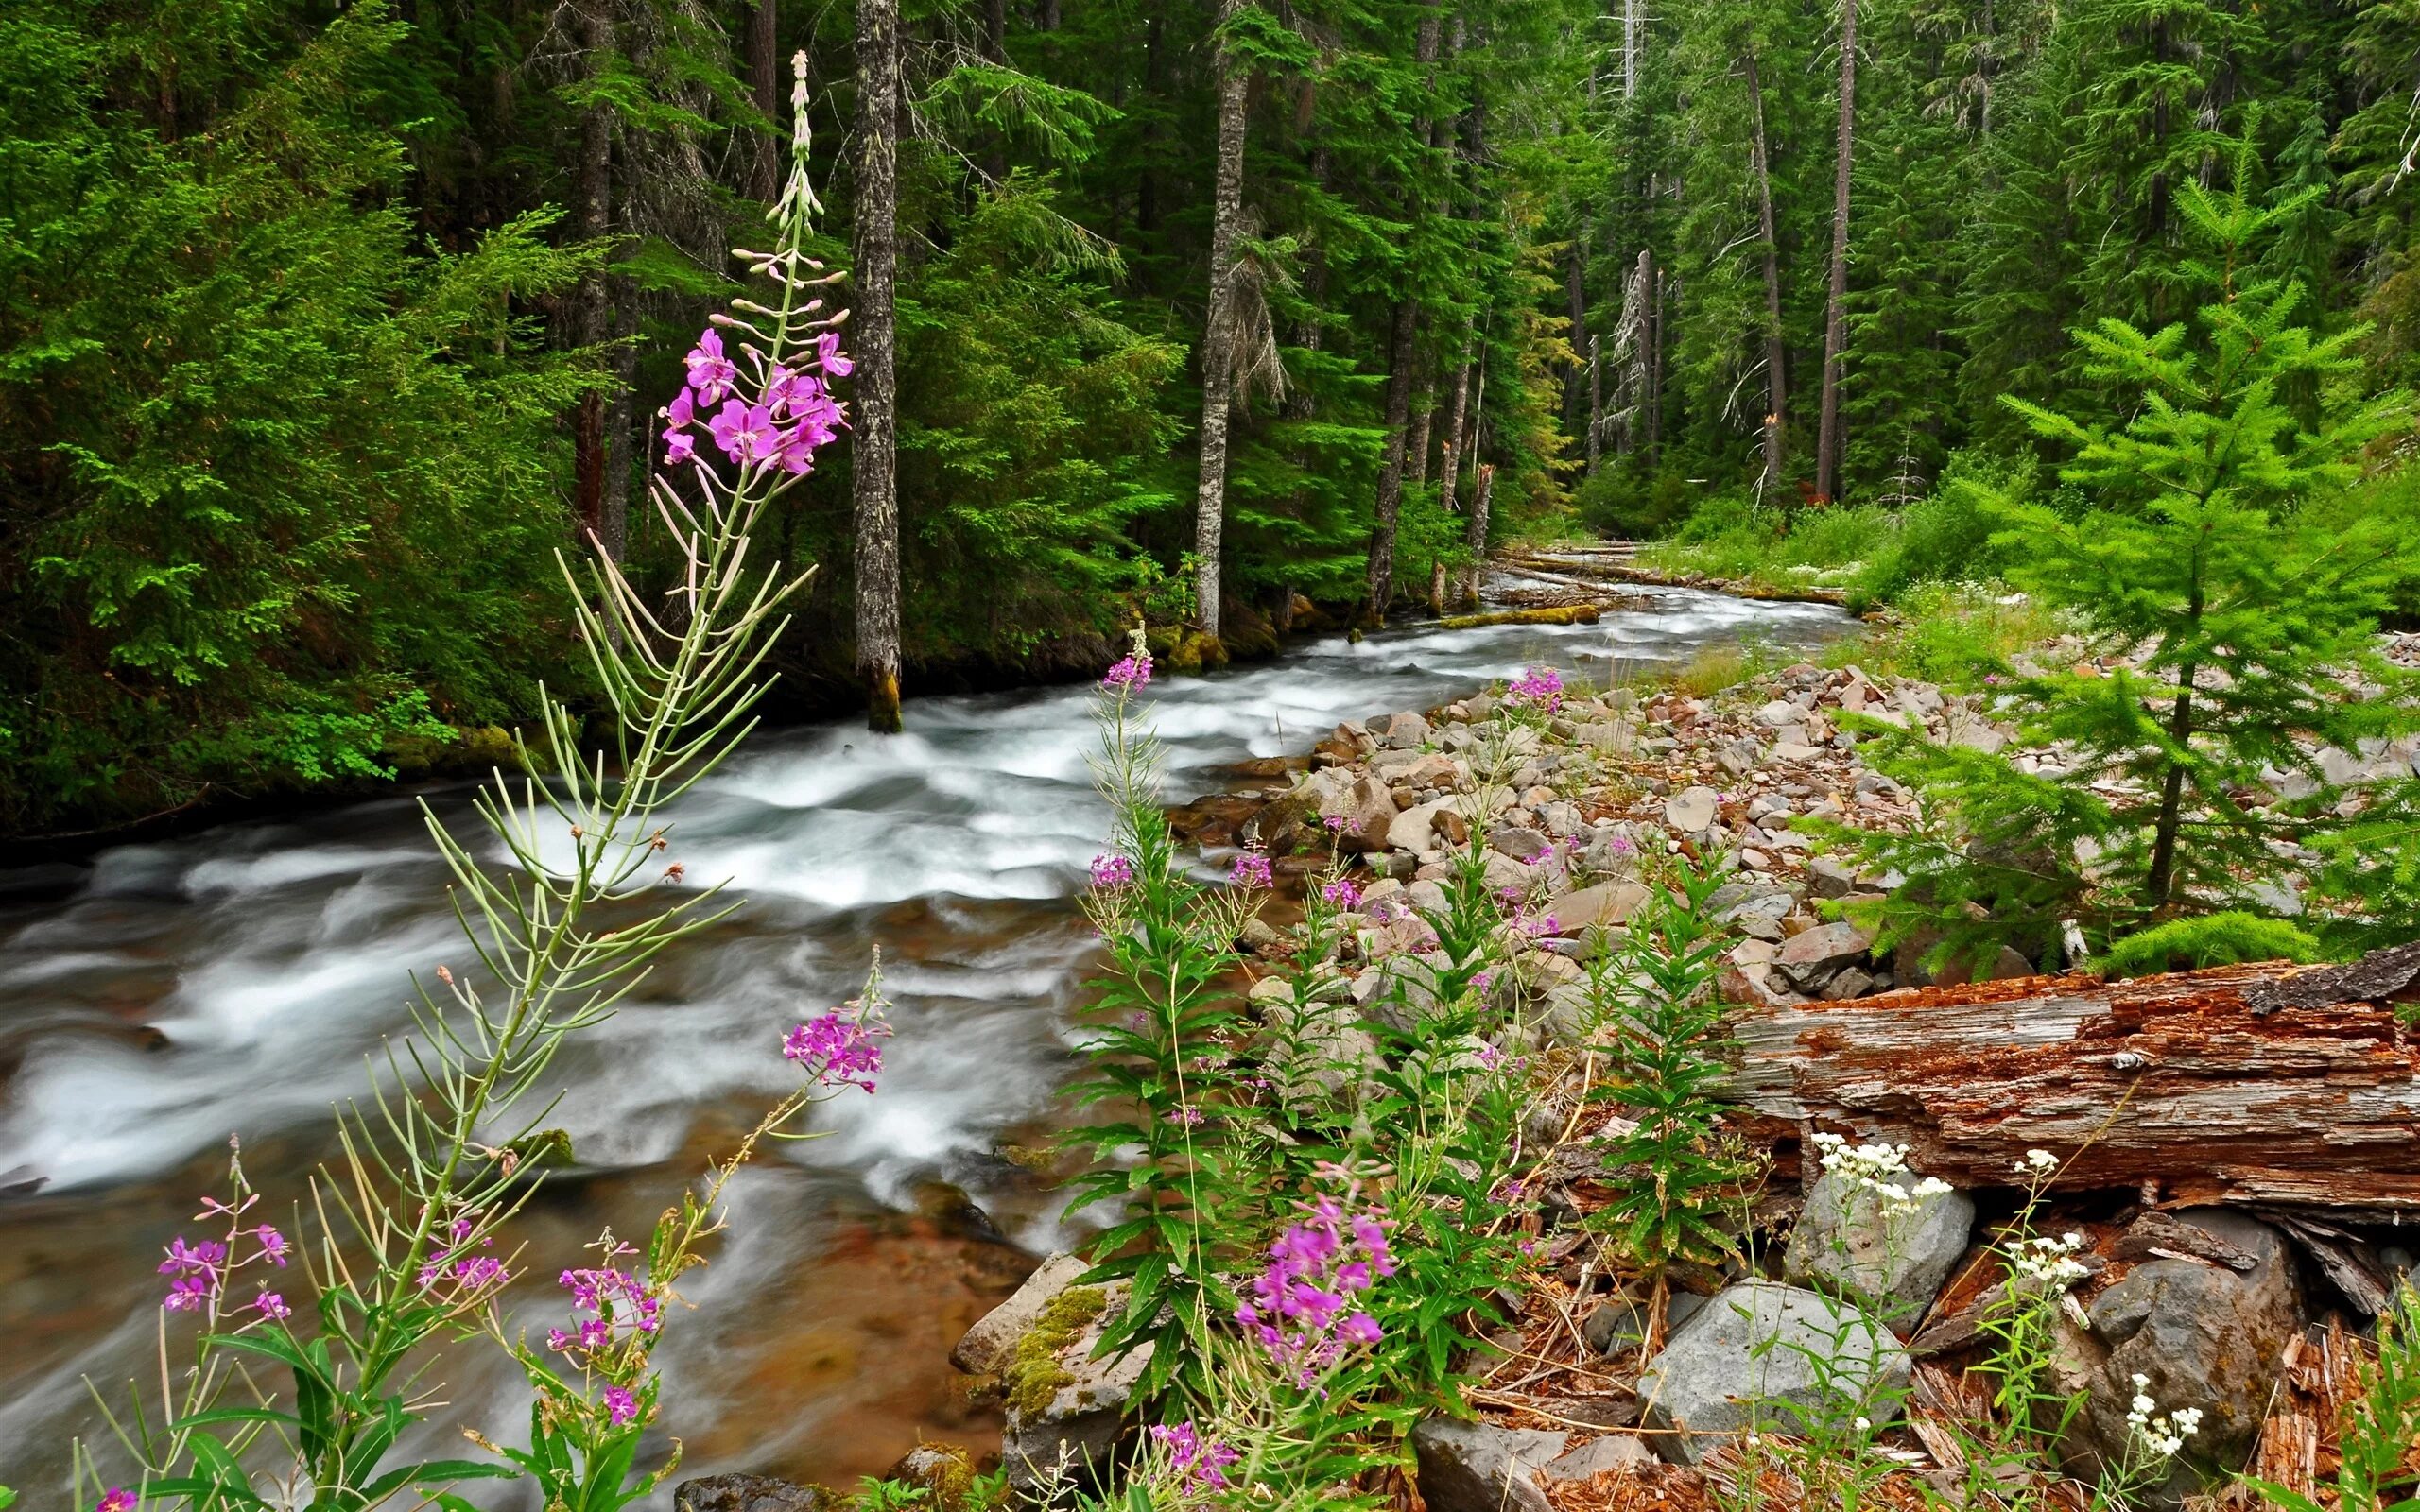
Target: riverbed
x=229 y=983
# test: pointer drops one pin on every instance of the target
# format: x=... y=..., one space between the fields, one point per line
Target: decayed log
x=2264 y=1084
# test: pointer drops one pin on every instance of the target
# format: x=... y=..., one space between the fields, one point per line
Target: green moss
x=1034 y=1373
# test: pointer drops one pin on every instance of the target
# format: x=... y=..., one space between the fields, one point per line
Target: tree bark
x=2244 y=1084
x=1775 y=391
x=1653 y=336
x=764 y=86
x=1217 y=337
x=1575 y=296
x=1449 y=457
x=591 y=448
x=874 y=323
x=1474 y=536
x=1423 y=417
x=1629 y=48
x=1596 y=402
x=1828 y=439
x=1382 y=530
x=995 y=49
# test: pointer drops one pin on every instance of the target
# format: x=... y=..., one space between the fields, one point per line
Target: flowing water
x=177 y=993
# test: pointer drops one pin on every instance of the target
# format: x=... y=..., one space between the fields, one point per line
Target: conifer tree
x=2236 y=620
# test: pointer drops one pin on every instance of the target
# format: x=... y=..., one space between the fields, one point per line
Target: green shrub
x=2215 y=939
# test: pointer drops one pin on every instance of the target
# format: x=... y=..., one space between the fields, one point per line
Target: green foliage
x=2212 y=939
x=1676 y=1182
x=2235 y=621
x=234 y=390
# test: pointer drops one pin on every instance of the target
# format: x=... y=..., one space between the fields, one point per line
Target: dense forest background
x=322 y=327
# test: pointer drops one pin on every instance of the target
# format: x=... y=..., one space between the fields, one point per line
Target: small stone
x=1597 y=1455
x=1851 y=982
x=1477 y=1467
x=1404 y=731
x=1691 y=810
x=1519 y=842
x=1778 y=714
x=1814 y=955
x=1606 y=903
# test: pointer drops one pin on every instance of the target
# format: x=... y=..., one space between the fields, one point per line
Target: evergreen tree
x=2240 y=621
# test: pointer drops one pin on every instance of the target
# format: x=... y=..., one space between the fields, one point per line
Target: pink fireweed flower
x=1336 y=823
x=837 y=1051
x=621 y=1305
x=1199 y=1463
x=710 y=372
x=1187 y=1117
x=271 y=1306
x=1621 y=845
x=1112 y=871
x=746 y=433
x=1251 y=870
x=829 y=356
x=1541 y=687
x=620 y=1406
x=1343 y=892
x=207 y=1258
x=190 y=1294
x=273 y=1245
x=1297 y=1309
x=1489 y=1056
x=1129 y=672
x=118 y=1500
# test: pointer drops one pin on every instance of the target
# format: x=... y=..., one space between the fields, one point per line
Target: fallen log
x=2265 y=1084
x=1556 y=614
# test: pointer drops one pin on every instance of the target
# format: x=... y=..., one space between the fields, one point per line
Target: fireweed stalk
x=1307 y=1287
x=1161 y=1059
x=432 y=1164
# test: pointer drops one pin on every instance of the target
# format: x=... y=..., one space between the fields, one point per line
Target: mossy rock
x=1035 y=1373
x=944 y=1473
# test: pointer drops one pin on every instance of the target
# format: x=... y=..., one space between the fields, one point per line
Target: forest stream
x=232 y=981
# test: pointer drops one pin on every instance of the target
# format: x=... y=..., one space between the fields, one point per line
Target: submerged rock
x=743 y=1493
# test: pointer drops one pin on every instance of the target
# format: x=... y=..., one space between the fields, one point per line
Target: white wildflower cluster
x=2050 y=1259
x=2037 y=1163
x=1880 y=1168
x=2164 y=1437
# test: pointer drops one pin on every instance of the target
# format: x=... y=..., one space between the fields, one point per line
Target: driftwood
x=2264 y=1084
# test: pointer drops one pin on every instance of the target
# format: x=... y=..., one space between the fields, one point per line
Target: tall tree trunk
x=1382 y=531
x=1424 y=419
x=1449 y=459
x=1654 y=338
x=1400 y=359
x=765 y=85
x=1575 y=296
x=1774 y=414
x=875 y=323
x=1475 y=525
x=1474 y=536
x=1828 y=439
x=1596 y=402
x=1629 y=48
x=995 y=49
x=621 y=428
x=1219 y=333
x=590 y=447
